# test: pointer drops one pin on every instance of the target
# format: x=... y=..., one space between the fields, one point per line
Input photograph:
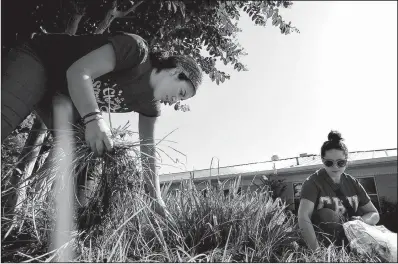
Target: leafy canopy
x=178 y=27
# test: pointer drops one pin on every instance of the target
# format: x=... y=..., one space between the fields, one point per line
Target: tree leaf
x=174 y=7
x=218 y=77
x=177 y=106
x=270 y=12
x=277 y=21
x=211 y=75
x=182 y=9
x=275 y=14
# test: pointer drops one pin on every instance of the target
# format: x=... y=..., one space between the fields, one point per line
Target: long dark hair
x=334 y=142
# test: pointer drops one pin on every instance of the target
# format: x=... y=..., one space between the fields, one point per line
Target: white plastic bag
x=365 y=239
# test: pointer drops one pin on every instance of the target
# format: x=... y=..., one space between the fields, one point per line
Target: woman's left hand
x=356 y=218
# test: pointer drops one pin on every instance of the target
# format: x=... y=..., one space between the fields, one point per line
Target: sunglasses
x=340 y=162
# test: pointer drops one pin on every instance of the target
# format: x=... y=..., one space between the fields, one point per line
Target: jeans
x=23 y=86
x=330 y=223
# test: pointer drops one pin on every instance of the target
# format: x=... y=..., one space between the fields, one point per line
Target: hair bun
x=334 y=136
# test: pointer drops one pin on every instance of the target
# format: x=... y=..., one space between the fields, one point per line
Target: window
x=296 y=194
x=369 y=185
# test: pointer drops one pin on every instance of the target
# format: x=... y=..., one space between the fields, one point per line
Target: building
x=375 y=169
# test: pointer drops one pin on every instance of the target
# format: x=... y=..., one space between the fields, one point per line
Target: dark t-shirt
x=125 y=89
x=318 y=189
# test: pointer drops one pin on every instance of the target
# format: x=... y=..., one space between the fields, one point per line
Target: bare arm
x=371 y=216
x=305 y=211
x=148 y=155
x=80 y=74
x=79 y=77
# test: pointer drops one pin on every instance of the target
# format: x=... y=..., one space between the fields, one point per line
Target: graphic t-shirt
x=318 y=189
x=125 y=89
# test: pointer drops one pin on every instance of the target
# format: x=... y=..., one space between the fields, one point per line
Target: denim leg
x=329 y=222
x=23 y=85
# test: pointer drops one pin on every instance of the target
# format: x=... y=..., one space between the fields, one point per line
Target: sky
x=339 y=73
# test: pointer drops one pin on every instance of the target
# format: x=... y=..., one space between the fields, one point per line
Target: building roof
x=294 y=162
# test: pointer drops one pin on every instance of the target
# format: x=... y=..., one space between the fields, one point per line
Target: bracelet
x=96 y=118
x=90 y=114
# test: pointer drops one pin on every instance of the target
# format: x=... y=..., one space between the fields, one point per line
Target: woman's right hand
x=97 y=136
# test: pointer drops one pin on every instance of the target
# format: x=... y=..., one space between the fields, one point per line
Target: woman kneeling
x=329 y=197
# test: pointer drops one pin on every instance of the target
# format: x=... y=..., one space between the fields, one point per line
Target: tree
x=178 y=27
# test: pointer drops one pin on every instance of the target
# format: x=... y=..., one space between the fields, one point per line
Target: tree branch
x=73 y=23
x=114 y=13
x=78 y=12
x=131 y=9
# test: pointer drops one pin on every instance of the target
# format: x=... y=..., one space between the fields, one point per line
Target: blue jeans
x=329 y=222
x=23 y=86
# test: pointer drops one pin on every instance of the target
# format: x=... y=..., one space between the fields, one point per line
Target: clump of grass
x=114 y=173
x=115 y=178
x=252 y=220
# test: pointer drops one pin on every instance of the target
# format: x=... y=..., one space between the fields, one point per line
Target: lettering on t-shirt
x=109 y=98
x=337 y=204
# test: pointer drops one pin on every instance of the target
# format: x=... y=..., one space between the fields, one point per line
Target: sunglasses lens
x=341 y=163
x=328 y=163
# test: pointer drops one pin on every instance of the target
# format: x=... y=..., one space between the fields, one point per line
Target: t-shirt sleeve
x=130 y=50
x=309 y=191
x=362 y=194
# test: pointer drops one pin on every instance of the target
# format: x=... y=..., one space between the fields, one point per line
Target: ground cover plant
x=119 y=224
